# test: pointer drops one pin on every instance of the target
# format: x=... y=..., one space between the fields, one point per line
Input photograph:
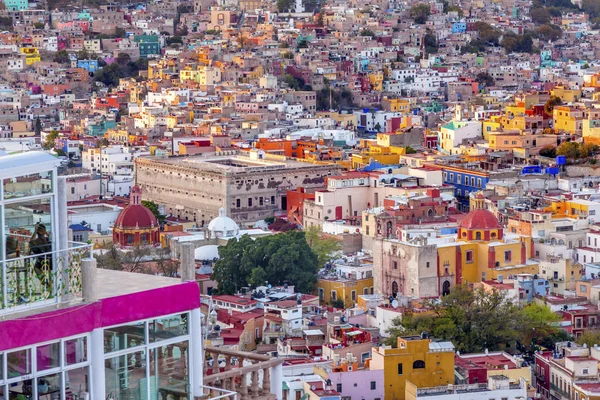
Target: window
x=238 y=203
x=338 y=387
x=395 y=264
x=469 y=255
x=353 y=295
x=373 y=385
x=427 y=264
x=250 y=202
x=333 y=295
x=321 y=294
x=399 y=368
x=419 y=364
x=72 y=190
x=508 y=255
x=585 y=371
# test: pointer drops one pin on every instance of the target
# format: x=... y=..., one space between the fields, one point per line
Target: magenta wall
x=106 y=312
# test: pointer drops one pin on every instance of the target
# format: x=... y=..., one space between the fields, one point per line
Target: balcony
x=243 y=373
x=558 y=392
x=41 y=280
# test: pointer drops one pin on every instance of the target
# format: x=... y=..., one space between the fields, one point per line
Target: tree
x=420 y=13
x=549 y=32
x=278 y=259
x=102 y=142
x=409 y=150
x=134 y=260
x=50 y=140
x=38 y=126
x=120 y=32
x=475 y=320
x=540 y=15
x=152 y=206
x=485 y=79
x=487 y=33
x=431 y=43
x=366 y=32
x=61 y=57
x=590 y=337
x=324 y=247
x=165 y=265
x=548 y=151
x=552 y=102
x=571 y=150
x=110 y=259
x=284 y=5
x=452 y=8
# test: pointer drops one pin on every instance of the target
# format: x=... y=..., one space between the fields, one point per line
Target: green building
x=148 y=45
x=16 y=5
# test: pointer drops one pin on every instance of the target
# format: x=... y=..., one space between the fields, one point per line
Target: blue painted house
x=88 y=65
x=465 y=181
x=459 y=27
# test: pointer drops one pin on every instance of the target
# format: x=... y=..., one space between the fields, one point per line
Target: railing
x=225 y=370
x=42 y=279
x=558 y=390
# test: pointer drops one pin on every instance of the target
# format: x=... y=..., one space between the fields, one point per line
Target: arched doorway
x=394 y=288
x=446 y=288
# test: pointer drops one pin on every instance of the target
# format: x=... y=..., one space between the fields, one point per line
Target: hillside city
x=300 y=200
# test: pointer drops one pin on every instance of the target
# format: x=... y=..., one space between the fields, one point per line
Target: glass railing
x=42 y=279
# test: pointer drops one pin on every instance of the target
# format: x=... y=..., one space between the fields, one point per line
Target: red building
x=295 y=204
x=542 y=373
x=136 y=225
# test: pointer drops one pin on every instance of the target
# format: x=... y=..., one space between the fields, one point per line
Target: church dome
x=223 y=226
x=480 y=219
x=135 y=215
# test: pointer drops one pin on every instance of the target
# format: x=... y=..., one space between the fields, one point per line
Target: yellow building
x=395 y=105
x=416 y=360
x=576 y=208
x=568 y=119
x=567 y=95
x=347 y=283
x=591 y=127
x=32 y=55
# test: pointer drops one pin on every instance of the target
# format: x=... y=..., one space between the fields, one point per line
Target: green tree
x=61 y=57
x=284 y=5
x=120 y=32
x=50 y=140
x=111 y=259
x=485 y=79
x=590 y=337
x=278 y=259
x=38 y=126
x=548 y=32
x=548 y=151
x=366 y=32
x=540 y=15
x=571 y=150
x=409 y=150
x=552 y=102
x=420 y=13
x=487 y=33
x=152 y=206
x=431 y=42
x=324 y=247
x=475 y=320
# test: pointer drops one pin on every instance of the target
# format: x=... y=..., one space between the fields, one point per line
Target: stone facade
x=250 y=188
x=405 y=268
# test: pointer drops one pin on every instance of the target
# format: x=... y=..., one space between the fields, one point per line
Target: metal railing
x=41 y=279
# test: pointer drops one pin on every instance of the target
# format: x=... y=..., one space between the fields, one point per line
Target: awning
x=285 y=386
x=353 y=333
x=304 y=396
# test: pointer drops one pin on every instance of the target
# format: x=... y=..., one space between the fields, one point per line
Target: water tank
x=561 y=160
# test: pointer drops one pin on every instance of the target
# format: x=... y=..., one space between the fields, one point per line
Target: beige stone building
x=250 y=187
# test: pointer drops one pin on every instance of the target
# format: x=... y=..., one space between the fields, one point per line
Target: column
x=97 y=367
x=243 y=389
x=254 y=385
x=277 y=381
x=188 y=263
x=266 y=385
x=88 y=280
x=196 y=353
x=61 y=258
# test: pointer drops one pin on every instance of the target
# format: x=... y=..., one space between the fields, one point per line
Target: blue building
x=465 y=181
x=148 y=45
x=88 y=65
x=459 y=27
x=531 y=286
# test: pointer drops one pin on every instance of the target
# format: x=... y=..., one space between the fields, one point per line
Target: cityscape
x=300 y=200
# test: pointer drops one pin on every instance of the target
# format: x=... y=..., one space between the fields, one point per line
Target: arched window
x=477 y=235
x=394 y=288
x=446 y=288
x=419 y=364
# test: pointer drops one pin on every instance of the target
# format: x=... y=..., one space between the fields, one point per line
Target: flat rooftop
x=118 y=283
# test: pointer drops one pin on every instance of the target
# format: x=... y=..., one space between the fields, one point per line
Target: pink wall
x=106 y=312
x=362 y=379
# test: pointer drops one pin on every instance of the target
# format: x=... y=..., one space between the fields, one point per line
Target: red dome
x=136 y=216
x=480 y=219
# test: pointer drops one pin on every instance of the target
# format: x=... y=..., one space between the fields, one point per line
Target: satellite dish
x=312 y=387
x=395 y=303
x=269 y=286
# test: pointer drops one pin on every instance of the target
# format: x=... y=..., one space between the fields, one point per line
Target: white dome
x=208 y=252
x=223 y=226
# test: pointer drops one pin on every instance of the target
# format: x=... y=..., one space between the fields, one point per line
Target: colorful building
x=417 y=360
x=148 y=45
x=136 y=225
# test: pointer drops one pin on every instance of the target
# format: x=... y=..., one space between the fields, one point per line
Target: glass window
x=126 y=376
x=169 y=371
x=28 y=185
x=28 y=228
x=168 y=327
x=48 y=356
x=124 y=337
x=76 y=350
x=49 y=385
x=77 y=383
x=18 y=363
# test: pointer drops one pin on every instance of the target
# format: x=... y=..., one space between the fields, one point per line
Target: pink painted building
x=70 y=331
